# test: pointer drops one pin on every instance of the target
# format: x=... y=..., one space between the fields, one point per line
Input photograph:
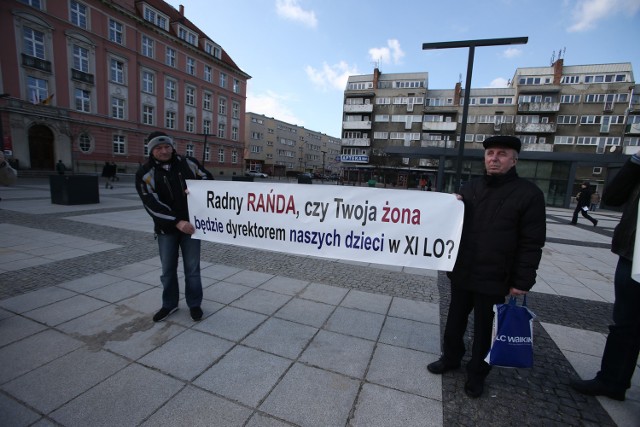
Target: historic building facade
x=577 y=123
x=85 y=81
x=277 y=148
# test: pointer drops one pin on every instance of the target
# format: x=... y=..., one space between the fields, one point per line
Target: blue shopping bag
x=512 y=337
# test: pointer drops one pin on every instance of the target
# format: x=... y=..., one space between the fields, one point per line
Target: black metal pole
x=465 y=115
x=204 y=148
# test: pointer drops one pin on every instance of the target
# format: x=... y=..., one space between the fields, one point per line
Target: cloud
x=512 y=52
x=290 y=9
x=331 y=76
x=273 y=105
x=587 y=13
x=385 y=54
x=499 y=82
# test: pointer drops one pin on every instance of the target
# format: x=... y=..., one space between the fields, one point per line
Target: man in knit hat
x=160 y=182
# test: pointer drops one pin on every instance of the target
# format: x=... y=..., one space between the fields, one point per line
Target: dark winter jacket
x=163 y=191
x=584 y=197
x=625 y=188
x=503 y=234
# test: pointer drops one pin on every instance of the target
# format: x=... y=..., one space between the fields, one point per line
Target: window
x=564 y=140
x=208 y=73
x=80 y=59
x=206 y=101
x=191 y=66
x=590 y=120
x=148 y=115
x=188 y=36
x=567 y=120
x=170 y=89
x=119 y=144
x=117 y=71
x=206 y=126
x=189 y=150
x=190 y=95
x=569 y=99
x=117 y=108
x=33 y=3
x=222 y=106
x=155 y=17
x=234 y=133
x=84 y=142
x=147 y=46
x=148 y=82
x=78 y=14
x=223 y=80
x=170 y=120
x=170 y=57
x=207 y=153
x=221 y=155
x=234 y=156
x=222 y=127
x=190 y=124
x=38 y=89
x=33 y=43
x=236 y=86
x=116 y=32
x=235 y=110
x=83 y=100
x=529 y=80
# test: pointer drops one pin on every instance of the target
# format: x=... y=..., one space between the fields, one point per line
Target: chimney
x=457 y=93
x=557 y=71
x=181 y=10
x=376 y=76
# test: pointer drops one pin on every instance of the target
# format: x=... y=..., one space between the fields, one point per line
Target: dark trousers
x=623 y=342
x=462 y=303
x=584 y=214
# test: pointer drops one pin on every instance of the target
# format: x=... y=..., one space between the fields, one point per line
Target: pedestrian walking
x=500 y=249
x=60 y=167
x=583 y=200
x=106 y=174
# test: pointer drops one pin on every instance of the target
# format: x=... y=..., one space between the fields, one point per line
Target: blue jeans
x=168 y=245
x=623 y=342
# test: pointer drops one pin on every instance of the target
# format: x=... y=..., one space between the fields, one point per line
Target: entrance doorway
x=41 y=148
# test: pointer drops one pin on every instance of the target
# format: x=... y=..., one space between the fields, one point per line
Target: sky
x=300 y=53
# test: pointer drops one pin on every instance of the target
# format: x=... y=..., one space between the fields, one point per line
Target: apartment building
x=280 y=149
x=85 y=81
x=577 y=123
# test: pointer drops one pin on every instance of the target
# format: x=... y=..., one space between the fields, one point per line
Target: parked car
x=256 y=174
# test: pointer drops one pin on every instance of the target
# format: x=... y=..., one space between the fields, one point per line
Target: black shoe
x=595 y=222
x=439 y=367
x=163 y=313
x=595 y=387
x=474 y=386
x=196 y=313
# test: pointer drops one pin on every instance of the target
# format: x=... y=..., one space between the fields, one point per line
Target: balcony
x=356 y=125
x=547 y=148
x=538 y=107
x=364 y=108
x=356 y=142
x=633 y=129
x=81 y=76
x=439 y=126
x=536 y=127
x=37 y=63
x=438 y=143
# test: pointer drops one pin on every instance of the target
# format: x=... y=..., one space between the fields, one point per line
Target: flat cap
x=503 y=141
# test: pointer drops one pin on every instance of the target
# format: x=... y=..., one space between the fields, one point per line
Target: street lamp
x=204 y=146
x=324 y=152
x=471 y=44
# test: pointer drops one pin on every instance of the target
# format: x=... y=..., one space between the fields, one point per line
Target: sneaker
x=595 y=223
x=163 y=313
x=595 y=387
x=196 y=313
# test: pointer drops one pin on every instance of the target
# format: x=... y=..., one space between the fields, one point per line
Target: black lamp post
x=324 y=152
x=471 y=44
x=204 y=145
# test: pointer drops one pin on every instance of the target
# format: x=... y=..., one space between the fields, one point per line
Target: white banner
x=373 y=225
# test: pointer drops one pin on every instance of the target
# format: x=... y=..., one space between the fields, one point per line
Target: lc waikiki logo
x=514 y=340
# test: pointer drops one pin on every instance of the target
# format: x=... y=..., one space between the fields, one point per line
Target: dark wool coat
x=625 y=188
x=503 y=234
x=584 y=197
x=163 y=191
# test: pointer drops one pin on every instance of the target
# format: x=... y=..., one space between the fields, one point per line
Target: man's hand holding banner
x=372 y=225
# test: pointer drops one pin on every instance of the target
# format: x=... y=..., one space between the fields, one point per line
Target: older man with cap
x=161 y=185
x=503 y=234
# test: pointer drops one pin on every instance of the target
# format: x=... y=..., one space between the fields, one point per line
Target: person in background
x=161 y=185
x=583 y=200
x=621 y=350
x=106 y=174
x=595 y=201
x=8 y=175
x=503 y=234
x=60 y=167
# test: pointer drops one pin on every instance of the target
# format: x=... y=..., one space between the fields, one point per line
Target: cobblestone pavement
x=538 y=396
